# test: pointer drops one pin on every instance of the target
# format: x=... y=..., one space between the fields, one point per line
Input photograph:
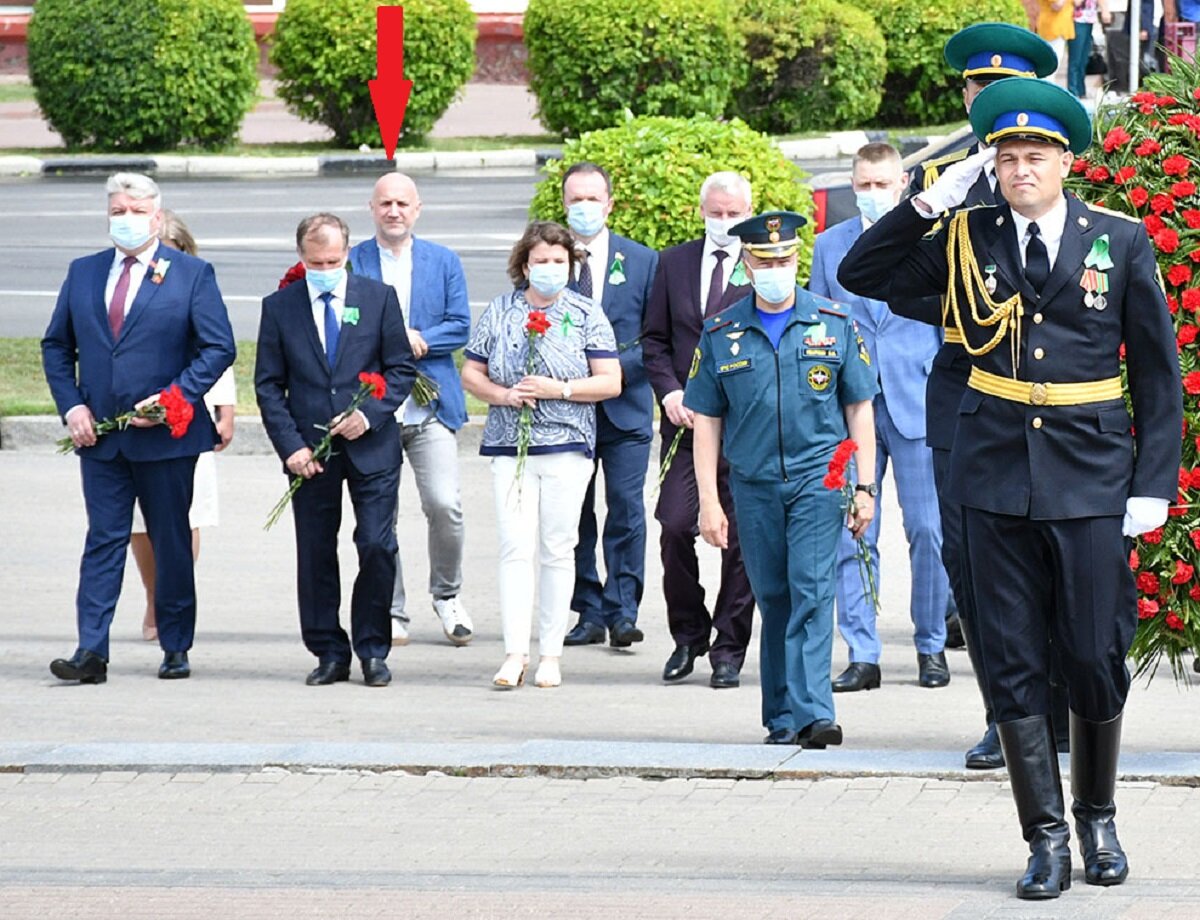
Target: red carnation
x=1148 y=147
x=295 y=273
x=1147 y=583
x=1153 y=536
x=1173 y=622
x=1183 y=189
x=537 y=324
x=1179 y=275
x=1117 y=137
x=1080 y=165
x=1165 y=101
x=844 y=451
x=1139 y=196
x=178 y=411
x=1196 y=94
x=1147 y=609
x=1153 y=223
x=834 y=480
x=1195 y=535
x=1192 y=218
x=1134 y=560
x=1187 y=334
x=1194 y=255
x=1172 y=304
x=1162 y=203
x=376 y=382
x=1191 y=300
x=1194 y=592
x=1179 y=118
x=1183 y=573
x=1191 y=382
x=1124 y=174
x=1176 y=165
x=1098 y=174
x=1166 y=240
x=1143 y=98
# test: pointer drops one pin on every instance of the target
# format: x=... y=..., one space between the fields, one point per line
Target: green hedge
x=657 y=165
x=144 y=75
x=325 y=52
x=920 y=89
x=589 y=62
x=819 y=70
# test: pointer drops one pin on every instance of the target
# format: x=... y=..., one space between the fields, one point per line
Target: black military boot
x=1094 y=750
x=1037 y=789
x=986 y=754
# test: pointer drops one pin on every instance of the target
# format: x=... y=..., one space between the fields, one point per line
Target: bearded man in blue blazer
x=618 y=274
x=130 y=322
x=314 y=338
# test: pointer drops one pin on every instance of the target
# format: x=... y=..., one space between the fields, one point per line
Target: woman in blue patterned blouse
x=574 y=366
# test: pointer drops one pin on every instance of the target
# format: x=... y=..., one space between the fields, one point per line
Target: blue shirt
x=774 y=324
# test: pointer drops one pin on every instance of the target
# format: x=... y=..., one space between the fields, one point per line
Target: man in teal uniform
x=778 y=380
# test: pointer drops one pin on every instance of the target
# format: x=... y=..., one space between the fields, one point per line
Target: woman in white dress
x=221 y=401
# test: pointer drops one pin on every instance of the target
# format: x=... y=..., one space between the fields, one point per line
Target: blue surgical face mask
x=548 y=278
x=775 y=285
x=874 y=203
x=586 y=217
x=325 y=281
x=129 y=231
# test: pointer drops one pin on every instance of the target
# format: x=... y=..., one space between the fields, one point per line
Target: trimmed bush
x=589 y=62
x=116 y=75
x=822 y=69
x=920 y=89
x=657 y=165
x=325 y=52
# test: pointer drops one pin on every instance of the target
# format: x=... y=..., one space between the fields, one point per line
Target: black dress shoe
x=819 y=734
x=781 y=736
x=328 y=672
x=861 y=675
x=375 y=672
x=725 y=675
x=682 y=660
x=84 y=666
x=987 y=754
x=954 y=633
x=174 y=666
x=933 y=670
x=624 y=633
x=585 y=633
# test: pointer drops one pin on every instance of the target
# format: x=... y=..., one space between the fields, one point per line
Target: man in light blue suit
x=902 y=351
x=432 y=290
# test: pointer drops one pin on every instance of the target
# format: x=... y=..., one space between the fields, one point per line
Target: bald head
x=395 y=206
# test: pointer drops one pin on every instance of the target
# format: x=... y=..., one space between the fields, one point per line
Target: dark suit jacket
x=176 y=332
x=1079 y=461
x=296 y=389
x=675 y=319
x=625 y=306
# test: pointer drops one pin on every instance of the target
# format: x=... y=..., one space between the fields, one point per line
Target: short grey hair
x=317 y=225
x=729 y=182
x=135 y=185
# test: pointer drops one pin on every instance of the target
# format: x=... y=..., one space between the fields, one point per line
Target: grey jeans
x=432 y=453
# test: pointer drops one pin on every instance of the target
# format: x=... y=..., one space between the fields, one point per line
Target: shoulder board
x=717 y=322
x=939 y=162
x=1102 y=210
x=831 y=308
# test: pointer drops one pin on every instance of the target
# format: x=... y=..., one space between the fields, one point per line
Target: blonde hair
x=175 y=233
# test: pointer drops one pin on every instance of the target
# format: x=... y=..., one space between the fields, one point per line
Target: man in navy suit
x=902 y=351
x=697 y=280
x=129 y=323
x=616 y=273
x=314 y=338
x=432 y=291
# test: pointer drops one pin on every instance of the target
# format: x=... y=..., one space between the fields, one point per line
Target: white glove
x=950 y=189
x=1143 y=515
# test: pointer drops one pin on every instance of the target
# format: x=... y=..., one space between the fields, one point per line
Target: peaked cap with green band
x=1033 y=110
x=994 y=50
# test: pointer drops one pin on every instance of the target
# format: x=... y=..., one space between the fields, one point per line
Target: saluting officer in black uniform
x=1052 y=479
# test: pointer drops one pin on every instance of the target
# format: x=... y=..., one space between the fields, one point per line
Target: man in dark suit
x=617 y=273
x=696 y=280
x=129 y=323
x=1047 y=291
x=314 y=338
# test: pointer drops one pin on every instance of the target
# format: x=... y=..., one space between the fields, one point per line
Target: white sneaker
x=399 y=631
x=456 y=624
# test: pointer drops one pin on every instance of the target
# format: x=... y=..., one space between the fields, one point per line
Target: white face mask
x=718 y=229
x=874 y=203
x=129 y=231
x=774 y=285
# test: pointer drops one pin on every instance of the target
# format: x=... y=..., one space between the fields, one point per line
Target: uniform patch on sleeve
x=695 y=369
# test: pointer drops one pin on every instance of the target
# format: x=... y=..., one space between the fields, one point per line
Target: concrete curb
x=564 y=759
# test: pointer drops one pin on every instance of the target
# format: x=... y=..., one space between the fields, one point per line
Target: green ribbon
x=568 y=323
x=350 y=316
x=1098 y=258
x=738 y=278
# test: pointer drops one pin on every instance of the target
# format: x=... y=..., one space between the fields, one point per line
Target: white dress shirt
x=318 y=307
x=396 y=270
x=1050 y=229
x=709 y=261
x=598 y=260
x=137 y=274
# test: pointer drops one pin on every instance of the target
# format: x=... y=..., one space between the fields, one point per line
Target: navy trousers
x=317 y=510
x=624 y=456
x=164 y=490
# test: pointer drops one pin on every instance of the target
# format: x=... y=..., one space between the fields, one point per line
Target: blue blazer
x=176 y=332
x=297 y=391
x=901 y=350
x=439 y=309
x=625 y=306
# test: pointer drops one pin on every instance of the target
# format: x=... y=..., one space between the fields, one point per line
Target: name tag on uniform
x=820 y=353
x=732 y=367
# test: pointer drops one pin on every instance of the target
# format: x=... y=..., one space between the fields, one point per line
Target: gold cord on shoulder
x=1005 y=316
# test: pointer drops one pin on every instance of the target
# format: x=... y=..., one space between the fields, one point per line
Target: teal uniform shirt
x=782 y=410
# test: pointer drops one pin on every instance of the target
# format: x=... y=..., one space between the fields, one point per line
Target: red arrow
x=389 y=91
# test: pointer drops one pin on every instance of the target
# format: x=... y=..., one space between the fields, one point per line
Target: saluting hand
x=950 y=189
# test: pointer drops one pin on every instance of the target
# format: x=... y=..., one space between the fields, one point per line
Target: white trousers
x=543 y=517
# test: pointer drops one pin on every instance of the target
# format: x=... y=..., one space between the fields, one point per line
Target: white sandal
x=511 y=674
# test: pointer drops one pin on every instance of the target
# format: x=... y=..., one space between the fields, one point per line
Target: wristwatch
x=566 y=394
x=870 y=488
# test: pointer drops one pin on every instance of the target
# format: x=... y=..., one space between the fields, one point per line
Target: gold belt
x=954 y=335
x=1045 y=394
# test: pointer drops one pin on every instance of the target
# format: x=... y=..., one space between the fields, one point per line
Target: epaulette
x=832 y=312
x=931 y=168
x=1111 y=213
x=716 y=322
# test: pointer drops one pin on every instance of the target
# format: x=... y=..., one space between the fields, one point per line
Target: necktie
x=1037 y=261
x=331 y=329
x=585 y=273
x=713 y=302
x=116 y=309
